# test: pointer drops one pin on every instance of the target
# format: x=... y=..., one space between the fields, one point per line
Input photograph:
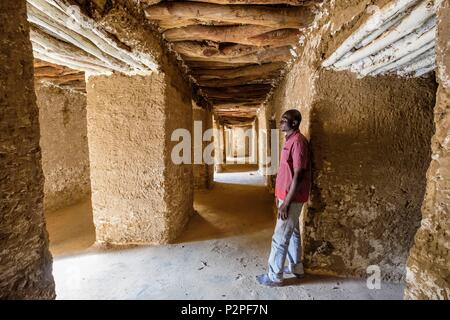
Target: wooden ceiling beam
x=297 y=17
x=248 y=35
x=262 y=71
x=233 y=53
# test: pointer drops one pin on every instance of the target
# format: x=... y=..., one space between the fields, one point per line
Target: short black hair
x=293 y=115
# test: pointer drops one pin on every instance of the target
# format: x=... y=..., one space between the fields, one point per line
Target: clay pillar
x=262 y=141
x=427 y=270
x=254 y=143
x=224 y=143
x=209 y=143
x=25 y=261
x=139 y=195
x=203 y=171
x=219 y=147
x=229 y=142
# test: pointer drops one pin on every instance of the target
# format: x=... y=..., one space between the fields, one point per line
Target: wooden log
x=401 y=48
x=425 y=70
x=61 y=76
x=178 y=23
x=298 y=17
x=213 y=49
x=277 y=38
x=71 y=60
x=64 y=48
x=372 y=24
x=265 y=70
x=426 y=59
x=248 y=2
x=41 y=63
x=193 y=51
x=219 y=83
x=248 y=96
x=49 y=71
x=65 y=61
x=236 y=90
x=234 y=82
x=247 y=35
x=236 y=101
x=218 y=34
x=43 y=21
x=391 y=23
x=57 y=18
x=226 y=106
x=89 y=29
x=64 y=78
x=405 y=59
x=214 y=65
x=418 y=17
x=232 y=121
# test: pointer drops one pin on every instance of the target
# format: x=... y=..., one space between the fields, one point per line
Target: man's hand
x=283 y=211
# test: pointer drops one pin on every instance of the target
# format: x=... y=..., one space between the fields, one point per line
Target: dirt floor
x=224 y=247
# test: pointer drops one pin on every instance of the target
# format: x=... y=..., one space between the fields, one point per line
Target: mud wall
x=428 y=272
x=25 y=261
x=370 y=141
x=241 y=141
x=179 y=181
x=65 y=156
x=203 y=172
x=370 y=144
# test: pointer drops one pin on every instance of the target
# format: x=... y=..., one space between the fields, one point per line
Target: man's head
x=290 y=120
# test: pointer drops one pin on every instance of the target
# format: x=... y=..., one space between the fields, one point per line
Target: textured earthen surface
x=370 y=143
x=65 y=156
x=25 y=261
x=219 y=146
x=370 y=152
x=203 y=172
x=262 y=141
x=242 y=139
x=179 y=191
x=138 y=194
x=428 y=272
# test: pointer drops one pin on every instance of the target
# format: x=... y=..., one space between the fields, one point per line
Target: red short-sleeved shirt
x=294 y=155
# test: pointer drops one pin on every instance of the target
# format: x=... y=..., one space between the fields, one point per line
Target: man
x=292 y=191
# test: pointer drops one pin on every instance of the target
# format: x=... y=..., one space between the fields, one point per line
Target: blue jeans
x=286 y=242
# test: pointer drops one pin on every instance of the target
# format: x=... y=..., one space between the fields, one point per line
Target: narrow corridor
x=224 y=247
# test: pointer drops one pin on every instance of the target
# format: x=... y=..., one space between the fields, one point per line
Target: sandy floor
x=224 y=247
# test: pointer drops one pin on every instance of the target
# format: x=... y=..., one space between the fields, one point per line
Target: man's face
x=284 y=124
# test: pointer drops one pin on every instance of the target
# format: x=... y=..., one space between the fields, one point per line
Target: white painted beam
x=418 y=16
x=373 y=23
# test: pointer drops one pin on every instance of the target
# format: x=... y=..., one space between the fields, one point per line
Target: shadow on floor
x=71 y=230
x=238 y=204
x=239 y=167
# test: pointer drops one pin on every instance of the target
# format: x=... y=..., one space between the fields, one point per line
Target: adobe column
x=25 y=261
x=219 y=146
x=139 y=195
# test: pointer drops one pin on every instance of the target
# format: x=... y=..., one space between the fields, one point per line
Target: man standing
x=292 y=191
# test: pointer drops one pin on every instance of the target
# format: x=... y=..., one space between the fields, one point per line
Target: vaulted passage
x=145 y=135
